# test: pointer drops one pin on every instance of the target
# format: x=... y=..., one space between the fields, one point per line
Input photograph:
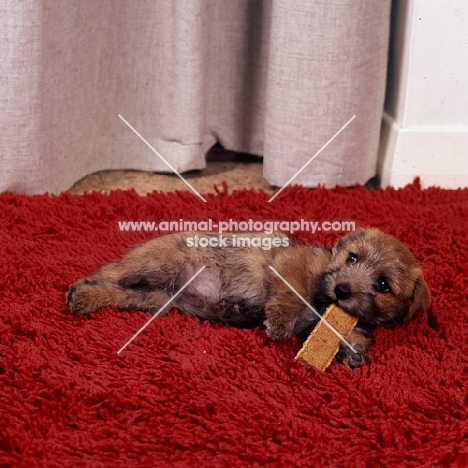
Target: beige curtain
x=275 y=78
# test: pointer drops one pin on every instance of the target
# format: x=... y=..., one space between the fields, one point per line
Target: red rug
x=186 y=394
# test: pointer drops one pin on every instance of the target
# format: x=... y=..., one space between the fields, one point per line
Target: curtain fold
x=327 y=63
x=275 y=78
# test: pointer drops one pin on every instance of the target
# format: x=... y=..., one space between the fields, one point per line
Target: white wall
x=425 y=128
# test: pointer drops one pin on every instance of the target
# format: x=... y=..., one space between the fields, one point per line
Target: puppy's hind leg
x=120 y=284
x=85 y=296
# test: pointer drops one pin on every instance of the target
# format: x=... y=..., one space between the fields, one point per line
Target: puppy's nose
x=343 y=291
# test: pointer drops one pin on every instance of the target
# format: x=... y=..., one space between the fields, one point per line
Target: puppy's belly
x=211 y=296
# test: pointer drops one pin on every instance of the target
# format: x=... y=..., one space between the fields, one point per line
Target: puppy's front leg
x=361 y=343
x=281 y=315
x=285 y=314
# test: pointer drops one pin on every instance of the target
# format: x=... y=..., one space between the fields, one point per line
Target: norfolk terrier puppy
x=369 y=274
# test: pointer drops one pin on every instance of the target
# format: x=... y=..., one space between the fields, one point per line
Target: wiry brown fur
x=238 y=287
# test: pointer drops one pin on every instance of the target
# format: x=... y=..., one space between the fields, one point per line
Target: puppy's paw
x=361 y=344
x=353 y=359
x=80 y=298
x=278 y=330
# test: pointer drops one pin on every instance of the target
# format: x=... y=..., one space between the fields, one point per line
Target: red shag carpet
x=186 y=394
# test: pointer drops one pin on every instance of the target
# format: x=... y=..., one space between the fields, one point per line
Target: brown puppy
x=368 y=273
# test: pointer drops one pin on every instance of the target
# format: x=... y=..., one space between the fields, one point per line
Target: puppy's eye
x=352 y=259
x=382 y=285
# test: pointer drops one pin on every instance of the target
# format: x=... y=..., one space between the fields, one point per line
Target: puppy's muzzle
x=343 y=291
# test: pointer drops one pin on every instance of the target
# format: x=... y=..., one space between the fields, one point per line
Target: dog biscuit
x=322 y=344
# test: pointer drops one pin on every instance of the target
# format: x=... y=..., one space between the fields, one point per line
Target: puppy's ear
x=353 y=236
x=421 y=297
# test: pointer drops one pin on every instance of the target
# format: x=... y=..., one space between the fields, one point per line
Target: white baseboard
x=438 y=155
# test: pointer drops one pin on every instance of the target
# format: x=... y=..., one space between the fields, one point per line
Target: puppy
x=369 y=274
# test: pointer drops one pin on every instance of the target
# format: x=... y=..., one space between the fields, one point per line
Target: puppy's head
x=375 y=277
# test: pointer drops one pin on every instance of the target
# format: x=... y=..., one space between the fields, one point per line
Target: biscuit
x=322 y=344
